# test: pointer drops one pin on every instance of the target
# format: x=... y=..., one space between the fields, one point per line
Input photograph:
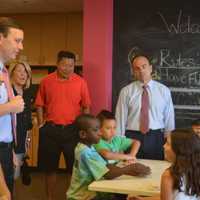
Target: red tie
x=144 y=114
x=10 y=96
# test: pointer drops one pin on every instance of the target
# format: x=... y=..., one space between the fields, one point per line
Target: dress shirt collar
x=149 y=84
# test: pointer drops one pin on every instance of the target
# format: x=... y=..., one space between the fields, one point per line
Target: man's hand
x=17 y=104
x=138 y=169
x=4 y=191
x=8 y=197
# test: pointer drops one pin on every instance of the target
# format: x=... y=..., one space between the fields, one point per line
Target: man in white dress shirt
x=160 y=110
x=11 y=37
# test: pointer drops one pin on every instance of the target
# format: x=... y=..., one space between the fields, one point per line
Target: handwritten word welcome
x=182 y=25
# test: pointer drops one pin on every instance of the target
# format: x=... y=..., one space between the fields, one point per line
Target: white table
x=147 y=186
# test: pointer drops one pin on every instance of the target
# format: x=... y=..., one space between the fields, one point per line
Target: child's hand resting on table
x=138 y=169
x=130 y=160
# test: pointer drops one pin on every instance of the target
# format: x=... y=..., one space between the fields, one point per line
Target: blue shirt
x=161 y=111
x=5 y=120
x=88 y=166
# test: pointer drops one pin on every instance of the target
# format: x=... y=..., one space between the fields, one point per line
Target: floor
x=36 y=190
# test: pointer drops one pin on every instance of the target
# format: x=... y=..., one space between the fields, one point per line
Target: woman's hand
x=28 y=141
x=16 y=161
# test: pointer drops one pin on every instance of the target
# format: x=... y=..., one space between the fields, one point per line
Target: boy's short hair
x=82 y=121
x=65 y=54
x=196 y=122
x=104 y=115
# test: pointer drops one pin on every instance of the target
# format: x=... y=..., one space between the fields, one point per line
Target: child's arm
x=135 y=147
x=133 y=152
x=4 y=192
x=123 y=143
x=136 y=169
x=167 y=192
x=109 y=155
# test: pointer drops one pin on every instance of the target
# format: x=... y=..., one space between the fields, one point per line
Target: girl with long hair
x=181 y=181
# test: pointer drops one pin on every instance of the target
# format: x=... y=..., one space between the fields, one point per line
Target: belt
x=156 y=130
x=6 y=145
x=56 y=125
x=161 y=130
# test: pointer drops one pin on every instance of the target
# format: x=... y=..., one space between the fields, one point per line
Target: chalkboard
x=170 y=32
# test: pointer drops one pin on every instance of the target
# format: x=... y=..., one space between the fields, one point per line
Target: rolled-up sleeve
x=121 y=113
x=169 y=117
x=85 y=97
x=40 y=97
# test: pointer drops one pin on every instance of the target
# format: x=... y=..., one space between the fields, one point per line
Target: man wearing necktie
x=145 y=110
x=11 y=37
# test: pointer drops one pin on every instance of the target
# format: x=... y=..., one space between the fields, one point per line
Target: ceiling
x=40 y=6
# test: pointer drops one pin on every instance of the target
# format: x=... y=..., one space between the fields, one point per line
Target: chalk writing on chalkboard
x=182 y=75
x=181 y=26
x=179 y=71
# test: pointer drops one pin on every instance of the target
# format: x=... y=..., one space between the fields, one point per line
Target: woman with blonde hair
x=20 y=76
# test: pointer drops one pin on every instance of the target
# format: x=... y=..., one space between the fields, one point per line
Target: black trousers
x=151 y=143
x=6 y=160
x=54 y=139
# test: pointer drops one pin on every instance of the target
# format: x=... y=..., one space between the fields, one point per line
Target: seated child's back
x=181 y=180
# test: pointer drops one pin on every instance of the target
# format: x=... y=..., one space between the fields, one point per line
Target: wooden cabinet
x=75 y=35
x=34 y=143
x=53 y=37
x=46 y=34
x=32 y=37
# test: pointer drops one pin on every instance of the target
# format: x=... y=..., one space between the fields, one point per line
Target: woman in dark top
x=20 y=76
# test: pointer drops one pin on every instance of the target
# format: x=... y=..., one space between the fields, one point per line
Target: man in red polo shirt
x=61 y=97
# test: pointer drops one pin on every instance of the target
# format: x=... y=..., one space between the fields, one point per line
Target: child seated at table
x=196 y=126
x=111 y=146
x=90 y=166
x=181 y=181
